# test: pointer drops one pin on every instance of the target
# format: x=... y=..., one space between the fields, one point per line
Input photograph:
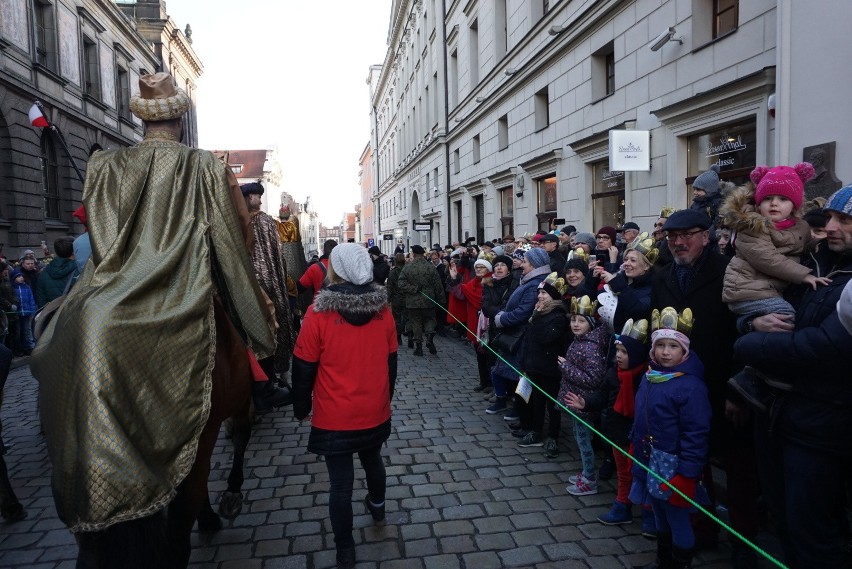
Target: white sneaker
x=583 y=487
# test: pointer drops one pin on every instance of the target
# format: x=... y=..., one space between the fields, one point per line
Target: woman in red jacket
x=345 y=356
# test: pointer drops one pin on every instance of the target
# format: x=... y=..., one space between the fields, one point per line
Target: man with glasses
x=694 y=280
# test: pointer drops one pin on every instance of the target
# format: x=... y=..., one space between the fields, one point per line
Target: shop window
x=546 y=190
x=44 y=18
x=732 y=147
x=50 y=176
x=507 y=211
x=607 y=196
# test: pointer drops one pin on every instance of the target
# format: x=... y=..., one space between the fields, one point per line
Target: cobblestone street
x=461 y=493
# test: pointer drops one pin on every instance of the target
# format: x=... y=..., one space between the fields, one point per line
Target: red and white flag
x=37 y=118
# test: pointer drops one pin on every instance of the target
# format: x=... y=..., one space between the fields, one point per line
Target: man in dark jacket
x=550 y=243
x=56 y=278
x=804 y=459
x=381 y=268
x=694 y=281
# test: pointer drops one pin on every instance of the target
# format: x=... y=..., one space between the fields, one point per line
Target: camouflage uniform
x=421 y=276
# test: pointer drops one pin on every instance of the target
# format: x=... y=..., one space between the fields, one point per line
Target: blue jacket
x=676 y=413
x=27 y=303
x=816 y=357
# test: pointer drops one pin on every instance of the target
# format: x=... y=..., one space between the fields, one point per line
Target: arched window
x=50 y=176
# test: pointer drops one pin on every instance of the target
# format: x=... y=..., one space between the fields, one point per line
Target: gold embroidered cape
x=125 y=365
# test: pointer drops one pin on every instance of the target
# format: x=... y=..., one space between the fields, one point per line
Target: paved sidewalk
x=461 y=493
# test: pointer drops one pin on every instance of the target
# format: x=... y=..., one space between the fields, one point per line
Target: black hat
x=549 y=238
x=629 y=225
x=418 y=250
x=579 y=264
x=502 y=259
x=374 y=251
x=252 y=188
x=687 y=219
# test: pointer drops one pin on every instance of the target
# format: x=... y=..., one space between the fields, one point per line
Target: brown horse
x=163 y=539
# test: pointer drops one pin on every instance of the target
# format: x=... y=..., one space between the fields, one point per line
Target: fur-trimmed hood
x=738 y=211
x=357 y=304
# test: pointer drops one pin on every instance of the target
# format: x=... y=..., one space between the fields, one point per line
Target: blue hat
x=687 y=219
x=15 y=274
x=840 y=201
x=537 y=258
x=637 y=351
x=252 y=188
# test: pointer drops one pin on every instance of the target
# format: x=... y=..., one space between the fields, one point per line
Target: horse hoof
x=209 y=522
x=230 y=504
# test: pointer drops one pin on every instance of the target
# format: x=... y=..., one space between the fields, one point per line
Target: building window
x=479 y=221
x=236 y=168
x=725 y=16
x=457 y=207
x=44 y=17
x=507 y=211
x=91 y=68
x=122 y=83
x=476 y=149
x=454 y=78
x=732 y=147
x=546 y=188
x=607 y=196
x=50 y=176
x=603 y=72
x=473 y=41
x=456 y=161
x=501 y=31
x=542 y=109
x=503 y=132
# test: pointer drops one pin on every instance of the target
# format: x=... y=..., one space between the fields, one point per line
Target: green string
x=698 y=506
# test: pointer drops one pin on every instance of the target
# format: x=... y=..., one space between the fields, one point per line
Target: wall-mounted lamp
x=510 y=71
x=556 y=30
x=480 y=99
x=664 y=38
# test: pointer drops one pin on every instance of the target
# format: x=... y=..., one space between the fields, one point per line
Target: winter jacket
x=545 y=341
x=345 y=357
x=516 y=314
x=675 y=416
x=27 y=305
x=614 y=425
x=419 y=276
x=767 y=259
x=495 y=295
x=816 y=358
x=380 y=270
x=709 y=204
x=621 y=300
x=54 y=279
x=396 y=296
x=585 y=364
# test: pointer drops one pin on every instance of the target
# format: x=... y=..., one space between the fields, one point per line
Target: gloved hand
x=682 y=483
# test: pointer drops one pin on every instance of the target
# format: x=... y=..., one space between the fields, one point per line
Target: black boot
x=346 y=557
x=268 y=397
x=378 y=512
x=410 y=340
x=681 y=558
x=399 y=339
x=664 y=553
x=418 y=349
x=430 y=343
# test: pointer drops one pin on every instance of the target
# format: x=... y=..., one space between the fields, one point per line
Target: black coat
x=613 y=424
x=381 y=269
x=816 y=358
x=713 y=332
x=495 y=295
x=545 y=341
x=634 y=299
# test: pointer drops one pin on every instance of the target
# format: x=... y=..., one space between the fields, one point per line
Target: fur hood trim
x=358 y=304
x=738 y=211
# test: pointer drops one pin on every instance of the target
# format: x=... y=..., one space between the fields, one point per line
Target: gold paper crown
x=558 y=283
x=489 y=256
x=644 y=244
x=637 y=330
x=583 y=306
x=669 y=319
x=667 y=211
x=579 y=253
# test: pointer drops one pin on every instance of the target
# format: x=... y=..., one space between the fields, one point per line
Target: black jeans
x=341 y=477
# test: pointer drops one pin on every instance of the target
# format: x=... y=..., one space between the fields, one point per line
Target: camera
x=558 y=221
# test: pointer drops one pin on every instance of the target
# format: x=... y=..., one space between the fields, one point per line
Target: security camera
x=664 y=38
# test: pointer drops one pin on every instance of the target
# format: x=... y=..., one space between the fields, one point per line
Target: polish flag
x=37 y=118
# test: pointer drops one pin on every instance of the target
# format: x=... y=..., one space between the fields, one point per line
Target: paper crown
x=579 y=253
x=583 y=306
x=667 y=211
x=644 y=244
x=556 y=282
x=486 y=256
x=669 y=319
x=637 y=330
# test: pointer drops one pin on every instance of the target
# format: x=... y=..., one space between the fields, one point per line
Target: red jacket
x=314 y=276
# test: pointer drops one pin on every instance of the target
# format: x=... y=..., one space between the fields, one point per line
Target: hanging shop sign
x=630 y=150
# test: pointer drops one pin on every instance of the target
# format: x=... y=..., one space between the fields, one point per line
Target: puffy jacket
x=585 y=364
x=816 y=357
x=676 y=414
x=545 y=341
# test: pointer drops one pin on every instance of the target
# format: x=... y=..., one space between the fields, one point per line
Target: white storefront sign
x=630 y=150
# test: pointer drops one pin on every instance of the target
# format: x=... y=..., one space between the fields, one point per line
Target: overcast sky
x=290 y=73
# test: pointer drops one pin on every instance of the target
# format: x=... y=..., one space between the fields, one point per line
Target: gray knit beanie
x=537 y=258
x=708 y=181
x=352 y=263
x=586 y=238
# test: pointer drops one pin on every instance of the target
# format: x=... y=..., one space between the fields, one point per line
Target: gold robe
x=125 y=365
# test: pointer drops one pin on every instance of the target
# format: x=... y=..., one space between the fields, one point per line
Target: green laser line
x=692 y=502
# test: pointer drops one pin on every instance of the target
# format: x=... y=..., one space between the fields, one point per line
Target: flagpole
x=56 y=130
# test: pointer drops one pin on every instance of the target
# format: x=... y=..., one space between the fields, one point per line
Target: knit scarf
x=686 y=273
x=655 y=376
x=785 y=223
x=624 y=401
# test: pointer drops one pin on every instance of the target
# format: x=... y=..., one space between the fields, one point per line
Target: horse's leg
x=231 y=501
x=137 y=544
x=208 y=520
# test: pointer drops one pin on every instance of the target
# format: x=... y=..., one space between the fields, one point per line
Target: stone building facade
x=516 y=131
x=82 y=60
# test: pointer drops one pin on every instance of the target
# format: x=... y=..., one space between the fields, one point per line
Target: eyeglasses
x=599 y=237
x=685 y=235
